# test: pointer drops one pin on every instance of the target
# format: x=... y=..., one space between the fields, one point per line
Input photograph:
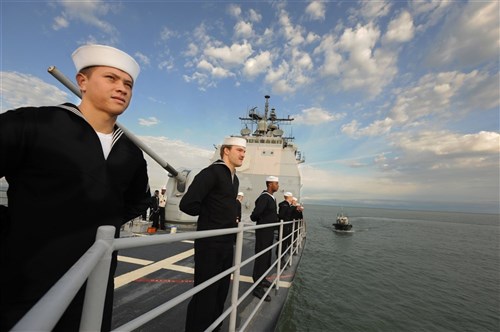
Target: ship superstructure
x=269 y=152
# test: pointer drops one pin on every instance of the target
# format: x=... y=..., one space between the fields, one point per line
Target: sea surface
x=397 y=271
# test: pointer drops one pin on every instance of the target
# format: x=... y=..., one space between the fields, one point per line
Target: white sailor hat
x=272 y=179
x=288 y=194
x=241 y=194
x=103 y=55
x=235 y=141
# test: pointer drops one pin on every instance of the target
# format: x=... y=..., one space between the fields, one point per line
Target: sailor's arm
x=17 y=131
x=196 y=193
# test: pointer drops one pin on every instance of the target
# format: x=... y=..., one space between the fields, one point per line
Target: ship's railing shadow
x=94 y=266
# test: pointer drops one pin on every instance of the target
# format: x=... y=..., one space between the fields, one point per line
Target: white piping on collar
x=117 y=132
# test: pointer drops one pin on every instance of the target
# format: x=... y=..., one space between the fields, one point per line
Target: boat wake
x=343 y=232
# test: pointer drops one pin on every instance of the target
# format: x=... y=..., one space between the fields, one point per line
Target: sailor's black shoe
x=259 y=292
x=265 y=283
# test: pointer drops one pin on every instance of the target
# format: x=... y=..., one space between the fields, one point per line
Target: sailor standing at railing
x=285 y=212
x=212 y=197
x=265 y=212
x=79 y=172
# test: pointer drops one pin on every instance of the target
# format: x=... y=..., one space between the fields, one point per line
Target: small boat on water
x=342 y=223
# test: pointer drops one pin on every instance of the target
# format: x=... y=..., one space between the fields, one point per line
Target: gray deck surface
x=162 y=284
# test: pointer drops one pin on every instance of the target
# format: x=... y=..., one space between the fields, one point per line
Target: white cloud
x=434 y=94
x=87 y=12
x=151 y=121
x=318 y=185
x=192 y=50
x=365 y=67
x=333 y=60
x=288 y=77
x=312 y=37
x=400 y=29
x=293 y=34
x=377 y=128
x=374 y=9
x=429 y=12
x=254 y=16
x=243 y=29
x=234 y=10
x=316 y=10
x=19 y=90
x=144 y=59
x=167 y=64
x=166 y=33
x=234 y=55
x=257 y=65
x=316 y=116
x=216 y=72
x=176 y=153
x=469 y=37
x=445 y=143
x=60 y=22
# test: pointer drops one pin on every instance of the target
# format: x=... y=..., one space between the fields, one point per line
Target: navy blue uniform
x=285 y=213
x=212 y=197
x=61 y=189
x=263 y=213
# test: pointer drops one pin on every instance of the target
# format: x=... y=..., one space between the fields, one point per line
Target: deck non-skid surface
x=150 y=276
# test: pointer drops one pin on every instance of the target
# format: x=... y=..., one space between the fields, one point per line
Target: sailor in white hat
x=238 y=153
x=103 y=170
x=102 y=55
x=272 y=178
x=265 y=212
x=106 y=76
x=285 y=212
x=211 y=196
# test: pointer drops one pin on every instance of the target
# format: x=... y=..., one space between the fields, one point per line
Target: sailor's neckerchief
x=117 y=132
x=221 y=162
x=267 y=192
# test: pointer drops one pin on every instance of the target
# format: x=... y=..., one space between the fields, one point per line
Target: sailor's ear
x=81 y=80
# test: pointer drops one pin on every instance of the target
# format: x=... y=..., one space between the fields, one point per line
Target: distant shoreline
x=420 y=206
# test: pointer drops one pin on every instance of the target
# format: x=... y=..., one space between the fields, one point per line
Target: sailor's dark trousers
x=210 y=259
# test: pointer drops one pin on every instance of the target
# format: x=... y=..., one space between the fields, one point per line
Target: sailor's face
x=236 y=155
x=108 y=89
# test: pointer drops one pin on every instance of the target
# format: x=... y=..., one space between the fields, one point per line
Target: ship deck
x=149 y=276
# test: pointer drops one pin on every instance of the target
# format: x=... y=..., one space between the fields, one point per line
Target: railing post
x=236 y=278
x=299 y=236
x=280 y=248
x=95 y=293
x=302 y=232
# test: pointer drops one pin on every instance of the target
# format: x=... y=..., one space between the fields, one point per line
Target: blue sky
x=396 y=104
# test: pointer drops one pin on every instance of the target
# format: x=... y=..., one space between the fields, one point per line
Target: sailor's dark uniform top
x=61 y=189
x=265 y=211
x=296 y=214
x=212 y=197
x=285 y=211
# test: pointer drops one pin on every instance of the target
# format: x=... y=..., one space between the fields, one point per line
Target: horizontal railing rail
x=94 y=265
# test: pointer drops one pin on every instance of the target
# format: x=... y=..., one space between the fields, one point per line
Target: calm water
x=398 y=271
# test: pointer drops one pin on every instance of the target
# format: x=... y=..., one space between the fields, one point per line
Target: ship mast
x=266 y=124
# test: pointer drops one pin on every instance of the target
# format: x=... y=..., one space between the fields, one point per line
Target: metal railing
x=94 y=265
